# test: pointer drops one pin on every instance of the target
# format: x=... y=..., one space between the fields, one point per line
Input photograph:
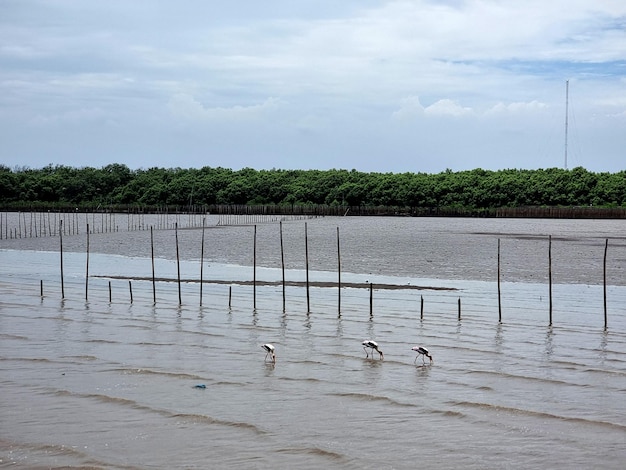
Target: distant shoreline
x=321 y=210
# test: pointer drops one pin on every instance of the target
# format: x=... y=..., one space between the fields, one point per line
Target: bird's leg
x=366 y=353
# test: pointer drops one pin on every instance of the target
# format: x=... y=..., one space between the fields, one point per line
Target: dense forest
x=117 y=185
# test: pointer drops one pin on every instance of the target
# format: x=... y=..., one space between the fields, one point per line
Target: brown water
x=99 y=384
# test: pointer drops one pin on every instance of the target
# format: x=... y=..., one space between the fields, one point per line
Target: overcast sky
x=371 y=85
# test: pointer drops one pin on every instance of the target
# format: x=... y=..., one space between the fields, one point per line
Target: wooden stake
x=371 y=299
x=499 y=298
x=282 y=261
x=550 y=276
x=202 y=260
x=421 y=307
x=61 y=248
x=87 y=269
x=306 y=257
x=130 y=289
x=338 y=275
x=152 y=255
x=459 y=308
x=180 y=298
x=254 y=272
x=606 y=247
x=41 y=288
x=110 y=296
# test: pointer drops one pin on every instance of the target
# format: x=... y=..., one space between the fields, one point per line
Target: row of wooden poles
x=43 y=224
x=250 y=219
x=49 y=224
x=201 y=266
x=307 y=283
x=606 y=248
x=254 y=283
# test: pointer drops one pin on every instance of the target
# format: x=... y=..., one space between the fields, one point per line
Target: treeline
x=117 y=185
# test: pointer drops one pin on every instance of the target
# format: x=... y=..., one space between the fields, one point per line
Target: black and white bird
x=421 y=351
x=373 y=345
x=269 y=349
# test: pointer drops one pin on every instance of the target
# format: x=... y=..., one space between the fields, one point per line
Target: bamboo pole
x=130 y=289
x=459 y=309
x=282 y=261
x=499 y=296
x=41 y=288
x=61 y=251
x=371 y=299
x=306 y=258
x=254 y=272
x=550 y=276
x=421 y=307
x=202 y=260
x=87 y=267
x=338 y=274
x=152 y=255
x=606 y=247
x=110 y=293
x=230 y=296
x=180 y=298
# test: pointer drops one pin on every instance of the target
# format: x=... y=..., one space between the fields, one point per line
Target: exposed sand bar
x=354 y=285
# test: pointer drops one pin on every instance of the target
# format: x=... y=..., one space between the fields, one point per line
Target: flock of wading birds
x=367 y=344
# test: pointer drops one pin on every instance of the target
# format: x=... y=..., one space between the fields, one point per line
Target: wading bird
x=422 y=352
x=269 y=348
x=373 y=345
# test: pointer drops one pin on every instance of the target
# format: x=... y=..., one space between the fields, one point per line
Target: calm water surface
x=88 y=383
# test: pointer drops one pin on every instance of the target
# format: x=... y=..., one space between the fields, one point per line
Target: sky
x=370 y=85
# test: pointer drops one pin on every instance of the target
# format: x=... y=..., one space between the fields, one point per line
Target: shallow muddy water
x=90 y=383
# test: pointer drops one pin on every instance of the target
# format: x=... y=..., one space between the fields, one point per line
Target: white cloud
x=447 y=107
x=410 y=107
x=516 y=108
x=186 y=107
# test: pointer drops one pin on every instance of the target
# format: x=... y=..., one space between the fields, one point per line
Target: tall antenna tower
x=566 y=117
